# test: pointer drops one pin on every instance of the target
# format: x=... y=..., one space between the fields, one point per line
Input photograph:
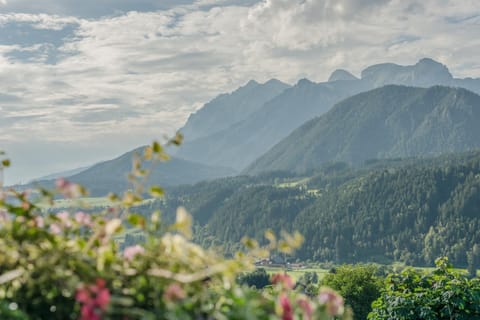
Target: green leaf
x=113 y=197
x=156 y=147
x=6 y=163
x=136 y=220
x=157 y=192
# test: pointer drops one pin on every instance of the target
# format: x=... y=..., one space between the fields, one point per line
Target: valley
x=239 y=159
x=383 y=175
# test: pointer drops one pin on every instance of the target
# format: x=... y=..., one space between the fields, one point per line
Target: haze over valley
x=379 y=168
x=87 y=83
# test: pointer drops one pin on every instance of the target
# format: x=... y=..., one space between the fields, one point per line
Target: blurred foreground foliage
x=70 y=265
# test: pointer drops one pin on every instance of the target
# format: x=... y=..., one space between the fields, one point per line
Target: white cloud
x=40 y=21
x=149 y=70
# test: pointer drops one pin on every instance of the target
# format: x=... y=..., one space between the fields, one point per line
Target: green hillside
x=111 y=175
x=411 y=210
x=392 y=121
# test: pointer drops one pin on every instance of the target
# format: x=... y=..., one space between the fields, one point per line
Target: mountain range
x=111 y=176
x=243 y=142
x=230 y=108
x=268 y=126
x=240 y=144
x=388 y=122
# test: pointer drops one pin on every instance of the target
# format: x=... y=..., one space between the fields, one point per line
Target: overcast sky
x=82 y=81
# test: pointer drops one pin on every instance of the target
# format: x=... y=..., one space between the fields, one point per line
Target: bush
x=307 y=282
x=358 y=284
x=258 y=278
x=441 y=294
x=69 y=266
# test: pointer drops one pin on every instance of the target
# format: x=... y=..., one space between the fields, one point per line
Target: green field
x=297 y=273
x=86 y=202
x=294 y=183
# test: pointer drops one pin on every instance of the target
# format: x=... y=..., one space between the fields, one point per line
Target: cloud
x=35 y=38
x=89 y=9
x=111 y=80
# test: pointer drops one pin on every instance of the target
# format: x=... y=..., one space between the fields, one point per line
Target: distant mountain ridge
x=111 y=176
x=241 y=143
x=56 y=175
x=392 y=121
x=340 y=74
x=227 y=109
x=234 y=130
x=424 y=73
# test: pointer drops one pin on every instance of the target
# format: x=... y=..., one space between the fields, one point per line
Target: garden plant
x=71 y=265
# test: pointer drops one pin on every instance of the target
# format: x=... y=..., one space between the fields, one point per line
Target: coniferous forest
x=411 y=210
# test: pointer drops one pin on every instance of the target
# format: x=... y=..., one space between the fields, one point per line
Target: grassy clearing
x=297 y=273
x=85 y=203
x=293 y=184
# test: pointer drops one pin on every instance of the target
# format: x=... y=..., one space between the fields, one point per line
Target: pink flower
x=68 y=189
x=283 y=279
x=55 y=228
x=130 y=252
x=103 y=294
x=4 y=216
x=306 y=308
x=65 y=222
x=332 y=301
x=287 y=310
x=83 y=219
x=64 y=218
x=39 y=223
x=174 y=292
x=94 y=300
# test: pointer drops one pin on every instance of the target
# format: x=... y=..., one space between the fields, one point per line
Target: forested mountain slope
x=411 y=214
x=411 y=210
x=388 y=122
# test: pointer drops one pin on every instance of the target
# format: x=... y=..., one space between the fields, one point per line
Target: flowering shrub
x=94 y=300
x=69 y=265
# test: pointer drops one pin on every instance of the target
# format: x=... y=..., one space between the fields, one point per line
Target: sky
x=85 y=81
